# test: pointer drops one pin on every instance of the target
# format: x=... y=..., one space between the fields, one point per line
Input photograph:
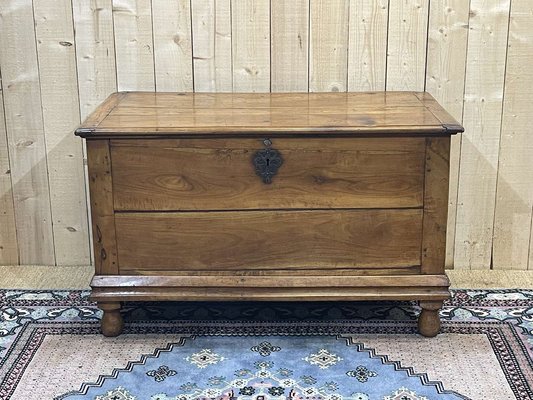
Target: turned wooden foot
x=429 y=320
x=112 y=322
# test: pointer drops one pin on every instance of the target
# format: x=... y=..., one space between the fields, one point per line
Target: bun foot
x=429 y=319
x=112 y=322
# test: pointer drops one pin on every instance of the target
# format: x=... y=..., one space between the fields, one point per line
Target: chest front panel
x=188 y=174
x=204 y=205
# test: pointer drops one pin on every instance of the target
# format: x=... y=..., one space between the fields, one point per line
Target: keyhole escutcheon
x=267 y=162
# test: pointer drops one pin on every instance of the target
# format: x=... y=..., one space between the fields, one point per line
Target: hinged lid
x=147 y=114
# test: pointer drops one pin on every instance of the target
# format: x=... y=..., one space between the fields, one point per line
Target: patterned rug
x=50 y=348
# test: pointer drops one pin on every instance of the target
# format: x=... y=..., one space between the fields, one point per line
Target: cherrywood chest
x=324 y=196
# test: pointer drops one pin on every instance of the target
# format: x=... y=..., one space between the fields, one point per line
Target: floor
x=79 y=277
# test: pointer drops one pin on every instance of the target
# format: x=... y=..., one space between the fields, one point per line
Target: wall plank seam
x=454 y=176
x=192 y=44
x=346 y=83
x=530 y=251
x=9 y=251
x=52 y=238
x=84 y=147
x=500 y=137
x=427 y=45
x=153 y=44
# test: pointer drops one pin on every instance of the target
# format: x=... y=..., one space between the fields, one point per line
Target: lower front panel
x=253 y=240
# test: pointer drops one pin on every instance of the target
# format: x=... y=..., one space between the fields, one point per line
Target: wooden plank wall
x=60 y=58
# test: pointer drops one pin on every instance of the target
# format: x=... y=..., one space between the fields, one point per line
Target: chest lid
x=195 y=115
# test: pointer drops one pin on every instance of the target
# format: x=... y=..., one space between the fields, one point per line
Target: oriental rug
x=51 y=348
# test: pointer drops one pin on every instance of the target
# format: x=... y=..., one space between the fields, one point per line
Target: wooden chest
x=330 y=196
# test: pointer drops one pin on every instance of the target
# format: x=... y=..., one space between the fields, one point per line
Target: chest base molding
x=268 y=288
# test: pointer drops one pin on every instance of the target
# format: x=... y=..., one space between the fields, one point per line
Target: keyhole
x=268 y=162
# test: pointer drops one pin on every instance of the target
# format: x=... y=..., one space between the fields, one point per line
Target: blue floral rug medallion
x=261 y=368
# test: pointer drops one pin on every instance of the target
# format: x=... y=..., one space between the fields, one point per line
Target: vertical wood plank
x=95 y=53
x=406 y=59
x=328 y=67
x=211 y=31
x=485 y=69
x=103 y=217
x=172 y=45
x=290 y=45
x=445 y=77
x=367 y=52
x=514 y=200
x=61 y=115
x=435 y=205
x=8 y=232
x=250 y=26
x=134 y=44
x=24 y=123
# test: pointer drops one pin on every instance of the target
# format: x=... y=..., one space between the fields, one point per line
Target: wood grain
x=101 y=112
x=268 y=282
x=413 y=270
x=367 y=51
x=438 y=111
x=242 y=114
x=371 y=173
x=407 y=36
x=429 y=287
x=8 y=231
x=132 y=21
x=445 y=78
x=268 y=100
x=103 y=220
x=112 y=322
x=290 y=45
x=172 y=45
x=435 y=205
x=212 y=293
x=25 y=133
x=364 y=145
x=211 y=29
x=95 y=53
x=59 y=96
x=429 y=320
x=328 y=64
x=143 y=118
x=250 y=26
x=484 y=88
x=270 y=239
x=514 y=192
